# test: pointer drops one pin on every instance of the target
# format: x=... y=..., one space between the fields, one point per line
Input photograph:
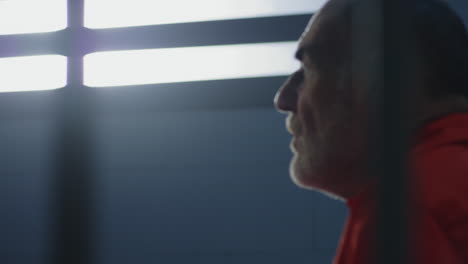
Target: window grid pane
x=126 y=13
x=171 y=65
x=22 y=16
x=33 y=73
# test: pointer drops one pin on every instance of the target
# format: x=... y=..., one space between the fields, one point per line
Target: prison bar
x=393 y=133
x=382 y=26
x=73 y=179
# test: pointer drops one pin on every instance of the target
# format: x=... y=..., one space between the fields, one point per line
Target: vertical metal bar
x=74 y=204
x=382 y=27
x=393 y=133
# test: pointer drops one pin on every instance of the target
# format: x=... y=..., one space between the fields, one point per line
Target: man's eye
x=307 y=67
x=308 y=72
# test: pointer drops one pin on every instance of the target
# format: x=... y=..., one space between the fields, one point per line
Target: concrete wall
x=209 y=187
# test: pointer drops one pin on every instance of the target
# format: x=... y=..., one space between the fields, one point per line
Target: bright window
x=32 y=73
x=170 y=65
x=126 y=13
x=27 y=16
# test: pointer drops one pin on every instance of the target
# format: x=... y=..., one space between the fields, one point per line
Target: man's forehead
x=317 y=21
x=311 y=30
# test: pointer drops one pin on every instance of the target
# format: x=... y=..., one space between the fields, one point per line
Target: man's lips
x=294 y=145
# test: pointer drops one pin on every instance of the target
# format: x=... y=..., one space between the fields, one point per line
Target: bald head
x=326 y=38
x=328 y=98
x=439 y=35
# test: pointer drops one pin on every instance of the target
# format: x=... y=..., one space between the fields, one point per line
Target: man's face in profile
x=326 y=108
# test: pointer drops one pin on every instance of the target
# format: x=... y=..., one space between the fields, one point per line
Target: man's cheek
x=308 y=111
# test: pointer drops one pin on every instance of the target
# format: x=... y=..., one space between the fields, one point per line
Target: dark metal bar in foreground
x=73 y=203
x=381 y=52
x=393 y=133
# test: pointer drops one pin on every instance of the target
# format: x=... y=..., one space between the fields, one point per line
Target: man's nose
x=286 y=97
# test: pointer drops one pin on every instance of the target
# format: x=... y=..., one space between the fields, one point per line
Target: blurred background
x=189 y=157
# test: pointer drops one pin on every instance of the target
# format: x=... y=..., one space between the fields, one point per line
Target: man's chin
x=298 y=175
x=306 y=179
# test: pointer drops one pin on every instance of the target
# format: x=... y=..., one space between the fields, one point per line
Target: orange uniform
x=439 y=166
